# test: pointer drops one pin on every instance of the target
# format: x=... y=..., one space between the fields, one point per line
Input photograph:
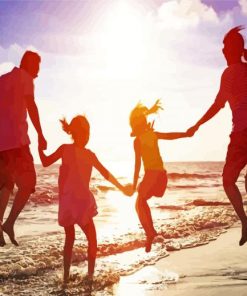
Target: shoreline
x=213 y=269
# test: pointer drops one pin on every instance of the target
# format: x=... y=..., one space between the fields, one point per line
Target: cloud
x=180 y=14
x=175 y=54
x=243 y=5
x=6 y=67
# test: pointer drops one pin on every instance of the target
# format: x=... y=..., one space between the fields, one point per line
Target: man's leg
x=20 y=200
x=4 y=198
x=25 y=180
x=7 y=164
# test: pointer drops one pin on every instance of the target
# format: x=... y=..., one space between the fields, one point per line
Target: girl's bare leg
x=145 y=217
x=68 y=246
x=90 y=232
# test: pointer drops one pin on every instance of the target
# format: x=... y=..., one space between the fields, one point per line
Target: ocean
x=193 y=212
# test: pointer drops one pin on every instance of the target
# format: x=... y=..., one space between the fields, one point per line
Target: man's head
x=30 y=63
x=233 y=48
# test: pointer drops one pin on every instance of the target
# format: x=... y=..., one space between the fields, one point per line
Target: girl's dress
x=154 y=182
x=76 y=202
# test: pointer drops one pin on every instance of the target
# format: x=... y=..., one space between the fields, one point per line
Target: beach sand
x=218 y=268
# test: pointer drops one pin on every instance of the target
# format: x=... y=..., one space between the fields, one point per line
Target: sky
x=100 y=58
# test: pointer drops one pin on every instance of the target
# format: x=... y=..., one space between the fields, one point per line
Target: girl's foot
x=10 y=232
x=65 y=282
x=243 y=239
x=2 y=240
x=89 y=278
x=149 y=241
x=65 y=285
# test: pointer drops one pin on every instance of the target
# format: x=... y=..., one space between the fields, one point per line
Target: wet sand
x=218 y=268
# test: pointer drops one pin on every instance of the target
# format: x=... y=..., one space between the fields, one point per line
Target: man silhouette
x=233 y=89
x=16 y=161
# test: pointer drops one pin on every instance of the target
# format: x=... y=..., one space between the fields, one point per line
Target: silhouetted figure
x=146 y=149
x=233 y=89
x=16 y=161
x=76 y=202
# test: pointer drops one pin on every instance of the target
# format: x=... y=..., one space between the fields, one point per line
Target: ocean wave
x=105 y=188
x=202 y=202
x=175 y=176
x=195 y=203
x=42 y=254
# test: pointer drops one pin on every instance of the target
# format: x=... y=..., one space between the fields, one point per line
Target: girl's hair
x=138 y=118
x=235 y=40
x=78 y=128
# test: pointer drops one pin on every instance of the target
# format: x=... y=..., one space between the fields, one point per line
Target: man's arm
x=34 y=116
x=220 y=101
x=212 y=111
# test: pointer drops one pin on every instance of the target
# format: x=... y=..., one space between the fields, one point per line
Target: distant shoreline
x=189 y=161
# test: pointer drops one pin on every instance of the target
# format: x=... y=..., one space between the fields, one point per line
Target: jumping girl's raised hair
x=65 y=125
x=138 y=117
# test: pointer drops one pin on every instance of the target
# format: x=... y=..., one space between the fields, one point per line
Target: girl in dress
x=146 y=150
x=76 y=202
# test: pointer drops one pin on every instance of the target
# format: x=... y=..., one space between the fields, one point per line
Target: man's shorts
x=236 y=157
x=154 y=183
x=16 y=167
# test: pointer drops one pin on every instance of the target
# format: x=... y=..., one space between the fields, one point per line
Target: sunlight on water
x=150 y=278
x=193 y=212
x=124 y=208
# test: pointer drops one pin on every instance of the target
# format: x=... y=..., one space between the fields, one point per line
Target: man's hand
x=42 y=142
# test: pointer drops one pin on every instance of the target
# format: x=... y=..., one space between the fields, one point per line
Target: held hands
x=42 y=142
x=128 y=189
x=191 y=131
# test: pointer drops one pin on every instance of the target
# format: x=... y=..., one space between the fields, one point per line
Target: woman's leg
x=90 y=232
x=236 y=160
x=68 y=246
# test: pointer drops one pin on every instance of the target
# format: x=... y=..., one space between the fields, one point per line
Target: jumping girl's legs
x=90 y=232
x=68 y=246
x=145 y=217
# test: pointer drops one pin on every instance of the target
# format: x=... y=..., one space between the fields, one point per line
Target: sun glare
x=123 y=38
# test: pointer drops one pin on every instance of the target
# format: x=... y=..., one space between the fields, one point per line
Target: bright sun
x=122 y=35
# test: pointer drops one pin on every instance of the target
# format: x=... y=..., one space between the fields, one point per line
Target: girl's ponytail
x=65 y=126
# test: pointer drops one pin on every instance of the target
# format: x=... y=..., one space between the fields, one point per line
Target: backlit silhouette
x=76 y=202
x=146 y=150
x=16 y=161
x=233 y=89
